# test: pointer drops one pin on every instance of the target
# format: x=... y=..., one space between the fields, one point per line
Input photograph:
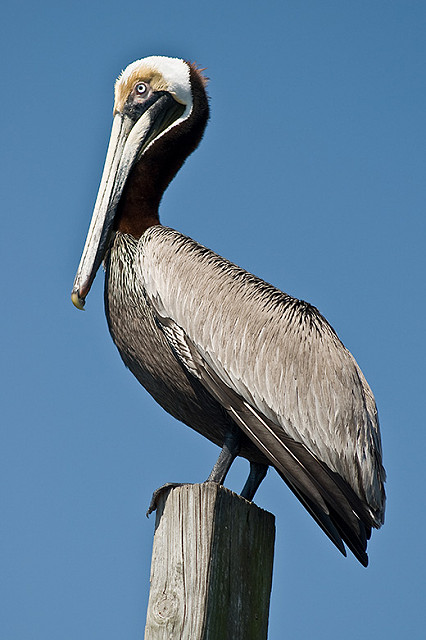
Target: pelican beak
x=130 y=137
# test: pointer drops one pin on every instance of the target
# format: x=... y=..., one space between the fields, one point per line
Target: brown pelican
x=259 y=373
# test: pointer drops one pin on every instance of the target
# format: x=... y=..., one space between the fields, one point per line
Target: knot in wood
x=165 y=608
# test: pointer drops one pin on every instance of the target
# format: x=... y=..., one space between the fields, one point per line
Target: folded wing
x=281 y=372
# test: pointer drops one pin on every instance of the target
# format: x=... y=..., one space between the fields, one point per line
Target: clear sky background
x=312 y=176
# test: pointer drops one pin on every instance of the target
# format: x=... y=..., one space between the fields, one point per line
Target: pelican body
x=256 y=371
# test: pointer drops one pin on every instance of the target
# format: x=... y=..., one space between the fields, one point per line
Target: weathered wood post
x=211 y=568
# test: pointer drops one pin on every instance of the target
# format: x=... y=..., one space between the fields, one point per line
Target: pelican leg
x=257 y=473
x=230 y=450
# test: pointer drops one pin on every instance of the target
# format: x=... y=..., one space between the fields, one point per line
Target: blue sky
x=311 y=175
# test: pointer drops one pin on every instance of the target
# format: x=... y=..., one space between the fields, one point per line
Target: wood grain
x=211 y=566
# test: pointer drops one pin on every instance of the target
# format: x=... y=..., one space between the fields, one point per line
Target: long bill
x=129 y=139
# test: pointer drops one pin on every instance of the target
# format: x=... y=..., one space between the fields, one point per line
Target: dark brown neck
x=138 y=207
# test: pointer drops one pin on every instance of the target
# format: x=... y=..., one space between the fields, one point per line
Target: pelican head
x=160 y=113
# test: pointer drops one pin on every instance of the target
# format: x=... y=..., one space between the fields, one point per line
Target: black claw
x=157 y=493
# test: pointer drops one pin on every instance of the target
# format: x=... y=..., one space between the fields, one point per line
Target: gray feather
x=278 y=353
x=214 y=345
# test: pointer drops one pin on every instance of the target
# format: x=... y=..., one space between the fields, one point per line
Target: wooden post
x=211 y=568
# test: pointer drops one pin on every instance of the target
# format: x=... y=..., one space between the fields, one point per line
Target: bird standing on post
x=259 y=373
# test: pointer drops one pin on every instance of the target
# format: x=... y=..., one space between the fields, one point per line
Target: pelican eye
x=141 y=88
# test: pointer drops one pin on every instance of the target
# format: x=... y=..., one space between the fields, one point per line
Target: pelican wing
x=280 y=371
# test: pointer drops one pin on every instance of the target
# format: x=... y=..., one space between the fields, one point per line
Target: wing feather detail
x=279 y=369
x=310 y=481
